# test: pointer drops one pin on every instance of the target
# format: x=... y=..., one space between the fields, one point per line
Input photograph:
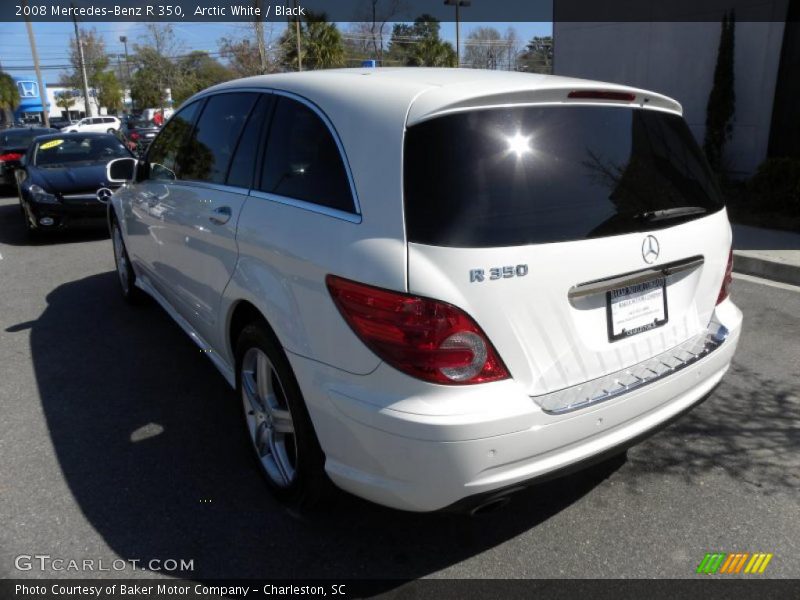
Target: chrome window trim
x=219 y=187
x=331 y=128
x=309 y=206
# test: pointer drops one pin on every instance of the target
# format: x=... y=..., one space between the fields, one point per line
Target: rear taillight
x=602 y=95
x=9 y=156
x=427 y=339
x=724 y=291
x=134 y=136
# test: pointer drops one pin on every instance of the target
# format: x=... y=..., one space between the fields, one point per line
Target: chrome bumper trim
x=600 y=286
x=86 y=196
x=635 y=377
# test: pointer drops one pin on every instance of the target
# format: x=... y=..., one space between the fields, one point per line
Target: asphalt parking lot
x=119 y=440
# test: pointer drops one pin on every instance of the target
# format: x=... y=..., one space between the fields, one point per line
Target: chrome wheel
x=121 y=259
x=269 y=419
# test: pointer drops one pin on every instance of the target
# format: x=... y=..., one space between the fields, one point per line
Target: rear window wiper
x=670 y=213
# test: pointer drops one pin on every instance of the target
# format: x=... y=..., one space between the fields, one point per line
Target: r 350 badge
x=478 y=275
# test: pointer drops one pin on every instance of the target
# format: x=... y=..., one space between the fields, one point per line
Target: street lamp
x=458 y=4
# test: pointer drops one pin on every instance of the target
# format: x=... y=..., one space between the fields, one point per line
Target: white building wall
x=678 y=59
x=78 y=106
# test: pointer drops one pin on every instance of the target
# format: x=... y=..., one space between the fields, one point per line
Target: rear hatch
x=583 y=238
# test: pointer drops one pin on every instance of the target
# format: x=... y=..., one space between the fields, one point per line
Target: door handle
x=221 y=215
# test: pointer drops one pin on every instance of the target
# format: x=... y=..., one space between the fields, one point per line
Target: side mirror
x=121 y=170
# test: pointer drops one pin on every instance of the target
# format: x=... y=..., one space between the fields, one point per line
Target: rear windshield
x=527 y=175
x=141 y=125
x=20 y=139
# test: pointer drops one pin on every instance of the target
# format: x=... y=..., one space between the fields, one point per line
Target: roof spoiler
x=435 y=102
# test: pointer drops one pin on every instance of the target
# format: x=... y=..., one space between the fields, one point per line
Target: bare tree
x=486 y=48
x=376 y=16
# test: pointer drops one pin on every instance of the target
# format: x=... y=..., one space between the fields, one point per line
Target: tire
x=111 y=130
x=125 y=273
x=34 y=234
x=282 y=438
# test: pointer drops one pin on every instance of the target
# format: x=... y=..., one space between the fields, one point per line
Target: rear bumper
x=421 y=447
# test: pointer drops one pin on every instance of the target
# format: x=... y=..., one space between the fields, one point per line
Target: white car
x=98 y=124
x=434 y=286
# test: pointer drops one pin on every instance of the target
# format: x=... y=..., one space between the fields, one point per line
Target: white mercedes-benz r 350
x=434 y=286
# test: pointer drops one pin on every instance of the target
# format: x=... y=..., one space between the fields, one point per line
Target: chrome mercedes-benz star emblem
x=104 y=194
x=650 y=249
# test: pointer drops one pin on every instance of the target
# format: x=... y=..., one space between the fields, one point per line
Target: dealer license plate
x=636 y=308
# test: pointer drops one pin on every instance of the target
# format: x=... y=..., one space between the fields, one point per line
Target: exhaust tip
x=490 y=506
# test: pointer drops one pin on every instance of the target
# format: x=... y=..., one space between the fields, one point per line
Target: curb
x=768 y=269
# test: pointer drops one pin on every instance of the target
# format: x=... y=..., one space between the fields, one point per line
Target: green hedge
x=776 y=186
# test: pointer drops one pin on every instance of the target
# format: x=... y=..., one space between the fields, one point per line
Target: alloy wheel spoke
x=282 y=420
x=263 y=442
x=263 y=375
x=279 y=458
x=249 y=386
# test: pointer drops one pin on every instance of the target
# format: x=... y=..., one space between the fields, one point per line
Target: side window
x=208 y=152
x=163 y=154
x=302 y=159
x=243 y=164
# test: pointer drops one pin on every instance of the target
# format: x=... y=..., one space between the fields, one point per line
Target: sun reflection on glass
x=519 y=144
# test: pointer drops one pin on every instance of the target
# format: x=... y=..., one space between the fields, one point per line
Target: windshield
x=58 y=152
x=514 y=176
x=20 y=139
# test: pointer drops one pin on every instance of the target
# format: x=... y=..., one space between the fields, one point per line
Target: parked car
x=141 y=133
x=435 y=286
x=59 y=122
x=98 y=124
x=63 y=180
x=13 y=145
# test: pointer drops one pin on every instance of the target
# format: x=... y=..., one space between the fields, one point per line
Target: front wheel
x=125 y=273
x=110 y=130
x=277 y=421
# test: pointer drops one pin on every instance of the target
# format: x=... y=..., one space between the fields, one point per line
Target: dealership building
x=30 y=98
x=678 y=59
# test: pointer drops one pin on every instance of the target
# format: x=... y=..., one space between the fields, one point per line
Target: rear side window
x=244 y=160
x=163 y=154
x=208 y=152
x=302 y=159
x=527 y=175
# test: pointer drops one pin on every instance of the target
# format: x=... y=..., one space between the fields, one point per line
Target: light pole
x=79 y=42
x=458 y=4
x=35 y=54
x=297 y=35
x=124 y=40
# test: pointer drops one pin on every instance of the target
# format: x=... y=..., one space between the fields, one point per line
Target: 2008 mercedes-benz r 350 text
x=434 y=286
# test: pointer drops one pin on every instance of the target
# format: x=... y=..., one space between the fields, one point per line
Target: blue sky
x=52 y=39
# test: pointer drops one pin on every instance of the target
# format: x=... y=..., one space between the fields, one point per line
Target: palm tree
x=9 y=97
x=65 y=100
x=324 y=48
x=433 y=52
x=320 y=41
